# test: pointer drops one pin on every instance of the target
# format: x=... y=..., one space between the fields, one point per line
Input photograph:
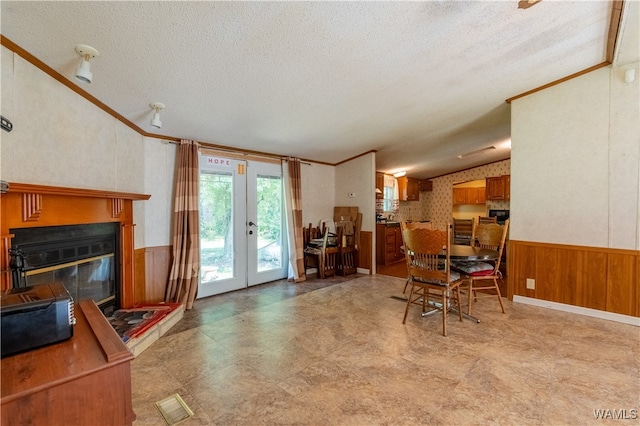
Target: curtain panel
x=185 y=269
x=293 y=189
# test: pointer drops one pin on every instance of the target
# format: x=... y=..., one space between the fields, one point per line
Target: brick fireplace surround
x=29 y=205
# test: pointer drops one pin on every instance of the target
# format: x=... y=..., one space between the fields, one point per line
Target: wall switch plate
x=531 y=284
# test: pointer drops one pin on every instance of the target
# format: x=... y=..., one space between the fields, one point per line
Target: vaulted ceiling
x=418 y=82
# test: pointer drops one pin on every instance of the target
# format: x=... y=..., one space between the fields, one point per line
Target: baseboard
x=363 y=271
x=610 y=316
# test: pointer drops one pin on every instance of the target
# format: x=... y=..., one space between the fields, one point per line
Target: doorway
x=242 y=224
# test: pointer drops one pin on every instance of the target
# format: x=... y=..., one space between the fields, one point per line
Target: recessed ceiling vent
x=478 y=151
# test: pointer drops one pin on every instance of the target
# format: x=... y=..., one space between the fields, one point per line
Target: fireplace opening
x=84 y=258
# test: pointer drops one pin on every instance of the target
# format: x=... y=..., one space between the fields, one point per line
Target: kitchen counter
x=389 y=224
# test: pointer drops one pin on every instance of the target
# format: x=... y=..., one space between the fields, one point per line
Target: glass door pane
x=266 y=230
x=222 y=225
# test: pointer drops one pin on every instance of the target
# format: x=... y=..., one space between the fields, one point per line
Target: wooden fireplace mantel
x=27 y=205
x=81 y=192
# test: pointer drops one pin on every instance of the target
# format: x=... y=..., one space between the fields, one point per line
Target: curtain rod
x=234 y=151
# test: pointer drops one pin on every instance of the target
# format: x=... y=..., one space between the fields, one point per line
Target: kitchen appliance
x=500 y=215
x=35 y=316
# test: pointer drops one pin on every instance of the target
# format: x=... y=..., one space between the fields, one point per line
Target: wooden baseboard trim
x=594 y=313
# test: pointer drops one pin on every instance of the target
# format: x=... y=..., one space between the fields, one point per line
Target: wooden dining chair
x=346 y=253
x=432 y=281
x=491 y=236
x=413 y=225
x=462 y=231
x=487 y=219
x=323 y=257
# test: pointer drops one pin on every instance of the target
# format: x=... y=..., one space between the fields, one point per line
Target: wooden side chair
x=487 y=219
x=491 y=236
x=346 y=254
x=462 y=231
x=431 y=279
x=412 y=225
x=323 y=257
x=313 y=252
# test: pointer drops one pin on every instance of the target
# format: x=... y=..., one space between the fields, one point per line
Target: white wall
x=159 y=173
x=358 y=177
x=61 y=139
x=318 y=192
x=575 y=163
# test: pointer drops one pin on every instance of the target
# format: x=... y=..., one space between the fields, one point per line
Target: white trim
x=610 y=316
x=363 y=271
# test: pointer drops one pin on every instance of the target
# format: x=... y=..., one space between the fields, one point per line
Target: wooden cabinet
x=498 y=188
x=425 y=185
x=379 y=185
x=388 y=244
x=507 y=187
x=478 y=196
x=408 y=188
x=459 y=196
x=469 y=195
x=85 y=380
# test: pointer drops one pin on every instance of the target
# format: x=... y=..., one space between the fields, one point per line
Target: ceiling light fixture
x=478 y=151
x=525 y=4
x=156 y=107
x=400 y=173
x=83 y=71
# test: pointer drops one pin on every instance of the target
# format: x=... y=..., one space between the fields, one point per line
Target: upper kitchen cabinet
x=499 y=188
x=425 y=185
x=409 y=188
x=469 y=195
x=379 y=185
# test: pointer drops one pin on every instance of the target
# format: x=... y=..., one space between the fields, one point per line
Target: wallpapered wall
x=437 y=205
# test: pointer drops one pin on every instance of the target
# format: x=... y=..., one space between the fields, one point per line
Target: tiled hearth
x=138 y=344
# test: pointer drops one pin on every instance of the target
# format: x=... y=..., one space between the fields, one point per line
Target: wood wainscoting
x=152 y=266
x=364 y=254
x=591 y=277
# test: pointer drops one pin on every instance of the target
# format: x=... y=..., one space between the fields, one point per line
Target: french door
x=242 y=224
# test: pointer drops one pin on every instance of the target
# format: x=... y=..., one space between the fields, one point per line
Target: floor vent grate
x=174 y=409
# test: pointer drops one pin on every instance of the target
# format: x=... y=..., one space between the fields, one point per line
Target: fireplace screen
x=84 y=258
x=85 y=279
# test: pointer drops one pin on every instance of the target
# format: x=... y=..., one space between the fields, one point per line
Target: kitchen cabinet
x=379 y=185
x=425 y=185
x=498 y=188
x=388 y=243
x=469 y=196
x=409 y=188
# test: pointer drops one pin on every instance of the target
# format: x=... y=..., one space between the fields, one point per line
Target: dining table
x=461 y=252
x=470 y=253
x=467 y=253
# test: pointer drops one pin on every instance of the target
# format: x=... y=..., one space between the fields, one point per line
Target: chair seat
x=482 y=273
x=471 y=268
x=453 y=276
x=313 y=250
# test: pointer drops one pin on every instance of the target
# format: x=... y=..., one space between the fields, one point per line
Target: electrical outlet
x=531 y=284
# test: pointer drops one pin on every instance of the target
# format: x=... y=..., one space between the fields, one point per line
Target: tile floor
x=335 y=352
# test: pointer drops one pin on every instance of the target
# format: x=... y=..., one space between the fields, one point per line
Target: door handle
x=253 y=224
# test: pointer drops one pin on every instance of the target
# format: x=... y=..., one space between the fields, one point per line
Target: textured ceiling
x=420 y=82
